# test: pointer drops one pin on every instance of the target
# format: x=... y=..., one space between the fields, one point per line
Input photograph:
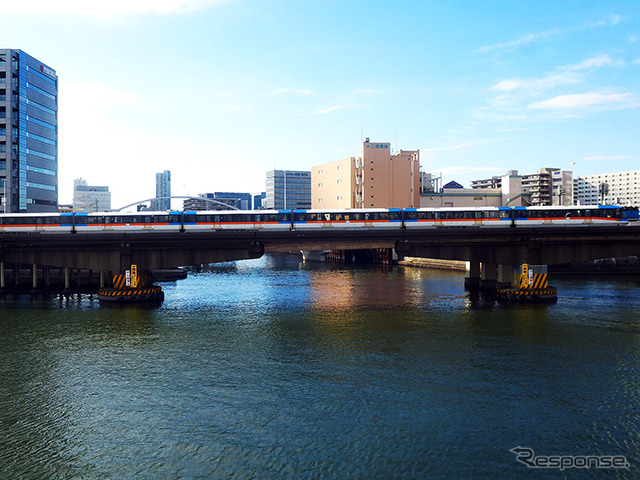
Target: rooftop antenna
x=396 y=139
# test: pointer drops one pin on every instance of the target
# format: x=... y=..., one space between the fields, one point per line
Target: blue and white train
x=374 y=218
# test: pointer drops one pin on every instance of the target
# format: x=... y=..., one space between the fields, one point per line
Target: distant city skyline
x=222 y=91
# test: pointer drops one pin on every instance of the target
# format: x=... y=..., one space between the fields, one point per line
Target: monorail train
x=392 y=218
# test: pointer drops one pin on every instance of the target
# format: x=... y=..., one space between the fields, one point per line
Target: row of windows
x=39 y=90
x=457 y=215
x=41 y=107
x=581 y=212
x=238 y=217
x=41 y=139
x=41 y=186
x=31 y=151
x=42 y=220
x=40 y=122
x=124 y=219
x=340 y=217
x=40 y=170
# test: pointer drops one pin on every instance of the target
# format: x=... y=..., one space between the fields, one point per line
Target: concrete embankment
x=434 y=263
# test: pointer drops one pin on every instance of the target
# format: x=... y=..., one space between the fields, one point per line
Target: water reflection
x=276 y=369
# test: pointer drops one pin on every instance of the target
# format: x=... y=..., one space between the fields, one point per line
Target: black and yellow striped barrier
x=538 y=282
x=120 y=281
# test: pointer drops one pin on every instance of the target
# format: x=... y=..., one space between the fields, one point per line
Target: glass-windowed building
x=28 y=134
x=163 y=192
x=288 y=189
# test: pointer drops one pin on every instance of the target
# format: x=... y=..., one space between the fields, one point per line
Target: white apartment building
x=619 y=188
x=549 y=186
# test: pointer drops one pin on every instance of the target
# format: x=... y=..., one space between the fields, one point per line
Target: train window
x=189 y=218
x=174 y=218
x=504 y=214
x=283 y=217
x=410 y=215
x=19 y=221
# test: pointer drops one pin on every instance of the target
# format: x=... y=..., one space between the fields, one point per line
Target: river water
x=270 y=369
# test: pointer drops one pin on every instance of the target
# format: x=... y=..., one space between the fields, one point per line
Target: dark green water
x=268 y=369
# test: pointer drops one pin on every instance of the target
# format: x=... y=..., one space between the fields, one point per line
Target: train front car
x=369 y=218
x=36 y=222
x=237 y=220
x=415 y=218
x=568 y=215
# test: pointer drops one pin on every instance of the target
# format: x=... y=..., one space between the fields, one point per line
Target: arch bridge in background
x=210 y=200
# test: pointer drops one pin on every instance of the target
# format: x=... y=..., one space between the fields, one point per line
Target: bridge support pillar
x=472 y=279
x=34 y=276
x=101 y=278
x=505 y=276
x=67 y=288
x=488 y=276
x=2 y=284
x=46 y=276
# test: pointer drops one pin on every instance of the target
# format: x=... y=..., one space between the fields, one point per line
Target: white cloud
x=327 y=110
x=524 y=40
x=537 y=84
x=594 y=62
x=564 y=75
x=587 y=100
x=105 y=9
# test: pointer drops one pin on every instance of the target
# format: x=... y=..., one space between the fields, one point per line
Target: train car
x=237 y=220
x=127 y=222
x=457 y=217
x=347 y=219
x=631 y=213
x=568 y=215
x=36 y=222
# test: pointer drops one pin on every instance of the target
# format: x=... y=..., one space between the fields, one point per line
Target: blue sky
x=220 y=91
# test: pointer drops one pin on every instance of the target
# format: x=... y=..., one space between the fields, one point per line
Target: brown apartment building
x=376 y=179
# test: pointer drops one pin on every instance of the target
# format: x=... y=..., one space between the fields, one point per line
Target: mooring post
x=2 y=276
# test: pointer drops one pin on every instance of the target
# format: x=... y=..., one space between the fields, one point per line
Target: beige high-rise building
x=376 y=179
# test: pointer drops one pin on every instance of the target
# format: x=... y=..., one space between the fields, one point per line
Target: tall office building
x=163 y=191
x=28 y=134
x=288 y=189
x=243 y=200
